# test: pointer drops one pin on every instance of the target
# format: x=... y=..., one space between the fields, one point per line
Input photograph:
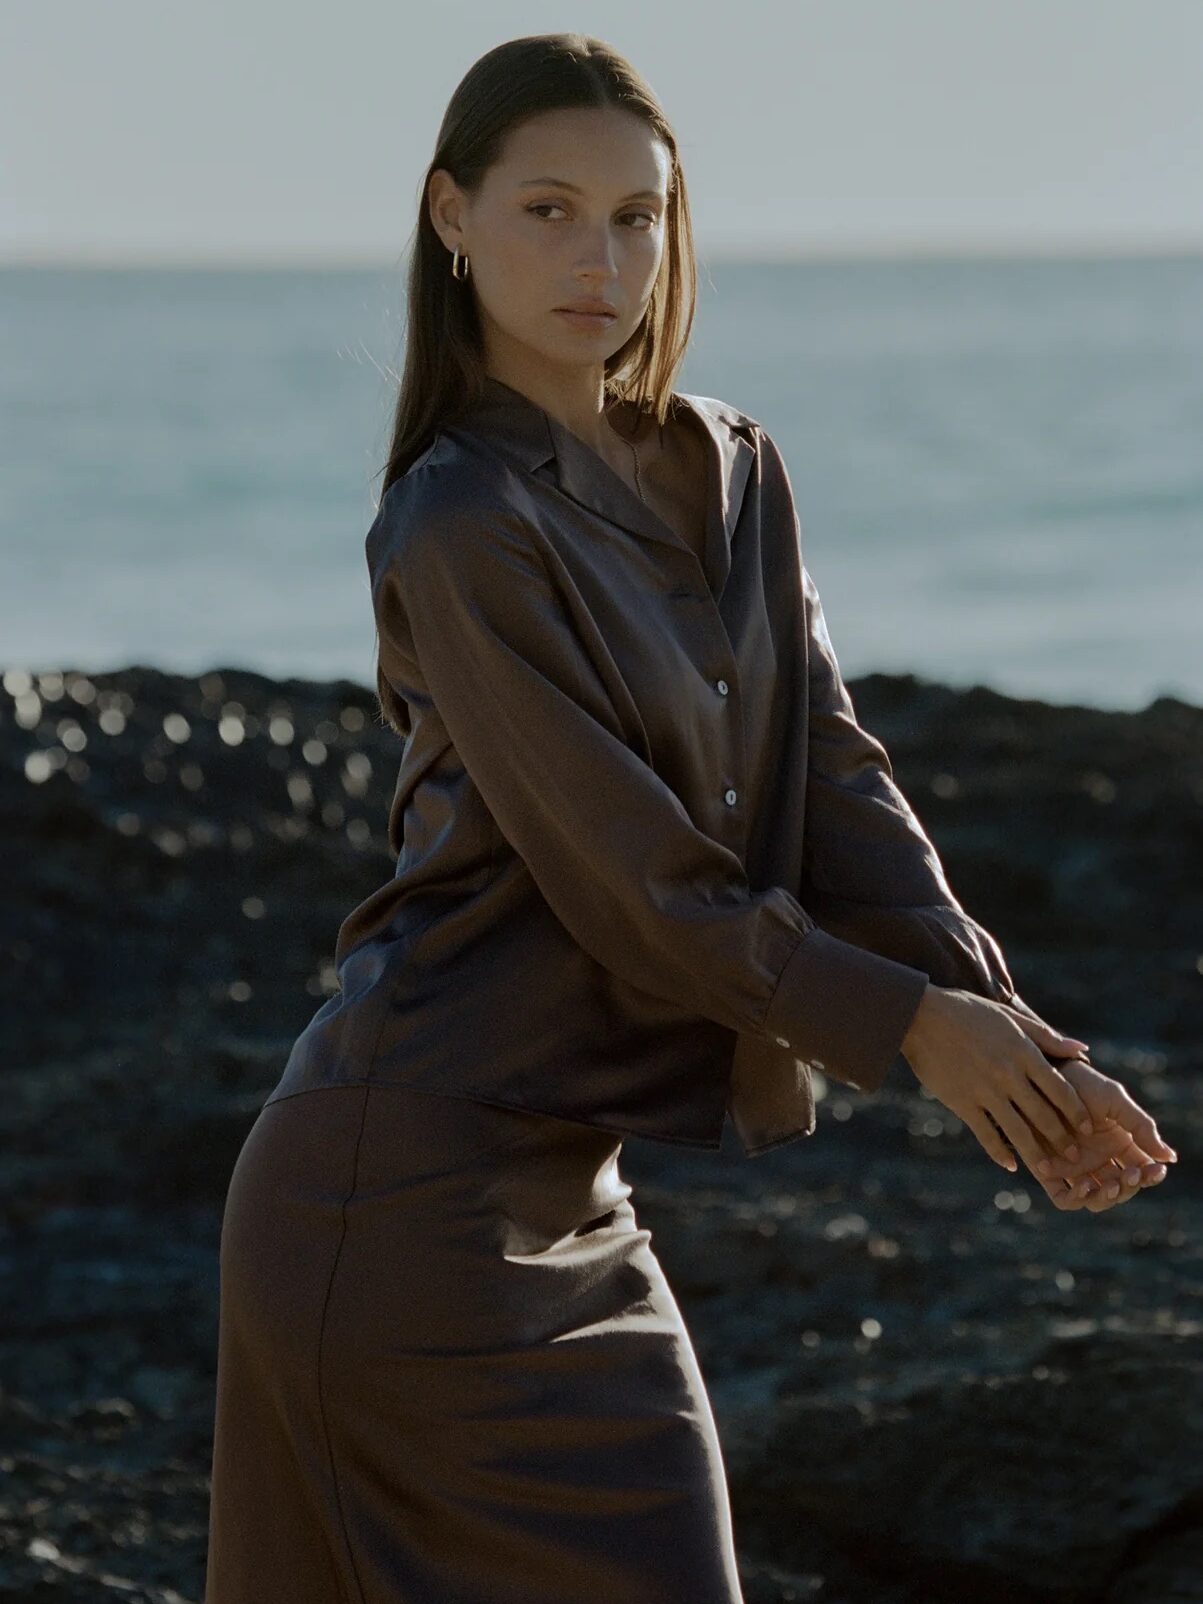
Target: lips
x=590 y=308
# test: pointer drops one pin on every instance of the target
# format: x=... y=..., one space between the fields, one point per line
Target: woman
x=650 y=872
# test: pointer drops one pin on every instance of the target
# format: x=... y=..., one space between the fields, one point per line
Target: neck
x=578 y=401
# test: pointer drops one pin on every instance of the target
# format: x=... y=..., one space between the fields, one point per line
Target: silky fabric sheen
x=650 y=871
x=451 y=1370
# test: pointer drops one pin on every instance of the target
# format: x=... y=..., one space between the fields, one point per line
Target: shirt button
x=722 y=687
x=729 y=797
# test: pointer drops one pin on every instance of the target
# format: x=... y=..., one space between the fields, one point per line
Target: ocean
x=998 y=465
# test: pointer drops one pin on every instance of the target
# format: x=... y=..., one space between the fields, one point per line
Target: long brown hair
x=444 y=370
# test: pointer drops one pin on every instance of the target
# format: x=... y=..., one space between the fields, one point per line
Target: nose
x=598 y=254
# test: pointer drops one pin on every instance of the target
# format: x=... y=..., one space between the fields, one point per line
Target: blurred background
x=951 y=257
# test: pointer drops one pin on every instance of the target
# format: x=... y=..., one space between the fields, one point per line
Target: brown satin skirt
x=451 y=1370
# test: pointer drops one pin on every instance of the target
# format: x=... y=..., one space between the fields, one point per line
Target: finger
x=1073 y=1195
x=1111 y=1104
x=1137 y=1167
x=1101 y=1174
x=1141 y=1124
x=1068 y=1197
x=1045 y=1079
x=1059 y=1192
x=1068 y=1200
x=1134 y=1170
x=1139 y=1154
x=1113 y=1192
x=1062 y=1196
x=1092 y=1151
x=1088 y=1182
x=1044 y=1035
x=1140 y=1168
x=1094 y=1189
x=982 y=1127
x=1031 y=1126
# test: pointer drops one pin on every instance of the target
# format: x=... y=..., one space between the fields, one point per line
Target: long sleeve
x=469 y=616
x=871 y=874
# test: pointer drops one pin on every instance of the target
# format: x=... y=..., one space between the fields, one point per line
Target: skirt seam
x=320 y=1342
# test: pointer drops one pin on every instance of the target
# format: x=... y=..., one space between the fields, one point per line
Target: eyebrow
x=562 y=183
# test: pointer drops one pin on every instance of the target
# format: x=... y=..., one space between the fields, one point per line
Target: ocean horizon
x=996 y=464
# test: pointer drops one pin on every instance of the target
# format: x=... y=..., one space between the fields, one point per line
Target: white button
x=729 y=797
x=722 y=687
x=783 y=1041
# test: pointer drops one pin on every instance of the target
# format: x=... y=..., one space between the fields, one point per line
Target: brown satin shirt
x=649 y=868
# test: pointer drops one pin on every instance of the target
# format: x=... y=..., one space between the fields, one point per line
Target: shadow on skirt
x=451 y=1370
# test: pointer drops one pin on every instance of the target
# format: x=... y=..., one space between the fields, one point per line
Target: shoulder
x=720 y=411
x=450 y=500
x=751 y=430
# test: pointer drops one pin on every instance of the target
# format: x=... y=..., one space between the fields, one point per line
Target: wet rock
x=931 y=1385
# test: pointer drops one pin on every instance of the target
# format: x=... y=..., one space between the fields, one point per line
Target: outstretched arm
x=873 y=876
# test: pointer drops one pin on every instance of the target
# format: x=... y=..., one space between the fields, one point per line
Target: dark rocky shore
x=932 y=1386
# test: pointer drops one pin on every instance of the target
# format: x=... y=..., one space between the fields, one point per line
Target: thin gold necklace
x=635 y=453
x=638 y=486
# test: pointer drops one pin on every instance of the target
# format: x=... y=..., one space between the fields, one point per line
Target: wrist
x=929 y=1002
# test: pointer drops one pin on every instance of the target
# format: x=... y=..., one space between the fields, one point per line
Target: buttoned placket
x=608 y=495
x=727 y=689
x=723 y=688
x=724 y=677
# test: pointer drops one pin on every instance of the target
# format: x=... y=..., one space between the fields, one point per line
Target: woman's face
x=574 y=209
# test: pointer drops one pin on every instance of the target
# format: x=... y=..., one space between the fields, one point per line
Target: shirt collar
x=520 y=429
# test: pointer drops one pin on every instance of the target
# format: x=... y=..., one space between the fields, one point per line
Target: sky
x=259 y=131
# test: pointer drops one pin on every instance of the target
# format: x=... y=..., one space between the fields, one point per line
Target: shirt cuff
x=843 y=1009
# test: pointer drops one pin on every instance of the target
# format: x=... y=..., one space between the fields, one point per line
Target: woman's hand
x=986 y=1063
x=1125 y=1154
x=1126 y=1151
x=1023 y=1081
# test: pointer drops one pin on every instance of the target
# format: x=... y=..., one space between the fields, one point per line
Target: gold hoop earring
x=455 y=263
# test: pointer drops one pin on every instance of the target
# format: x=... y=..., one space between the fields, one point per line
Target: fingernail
x=1074 y=1042
x=1045 y=1167
x=1155 y=1173
x=1086 y=1128
x=1073 y=1152
x=1113 y=1189
x=1132 y=1176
